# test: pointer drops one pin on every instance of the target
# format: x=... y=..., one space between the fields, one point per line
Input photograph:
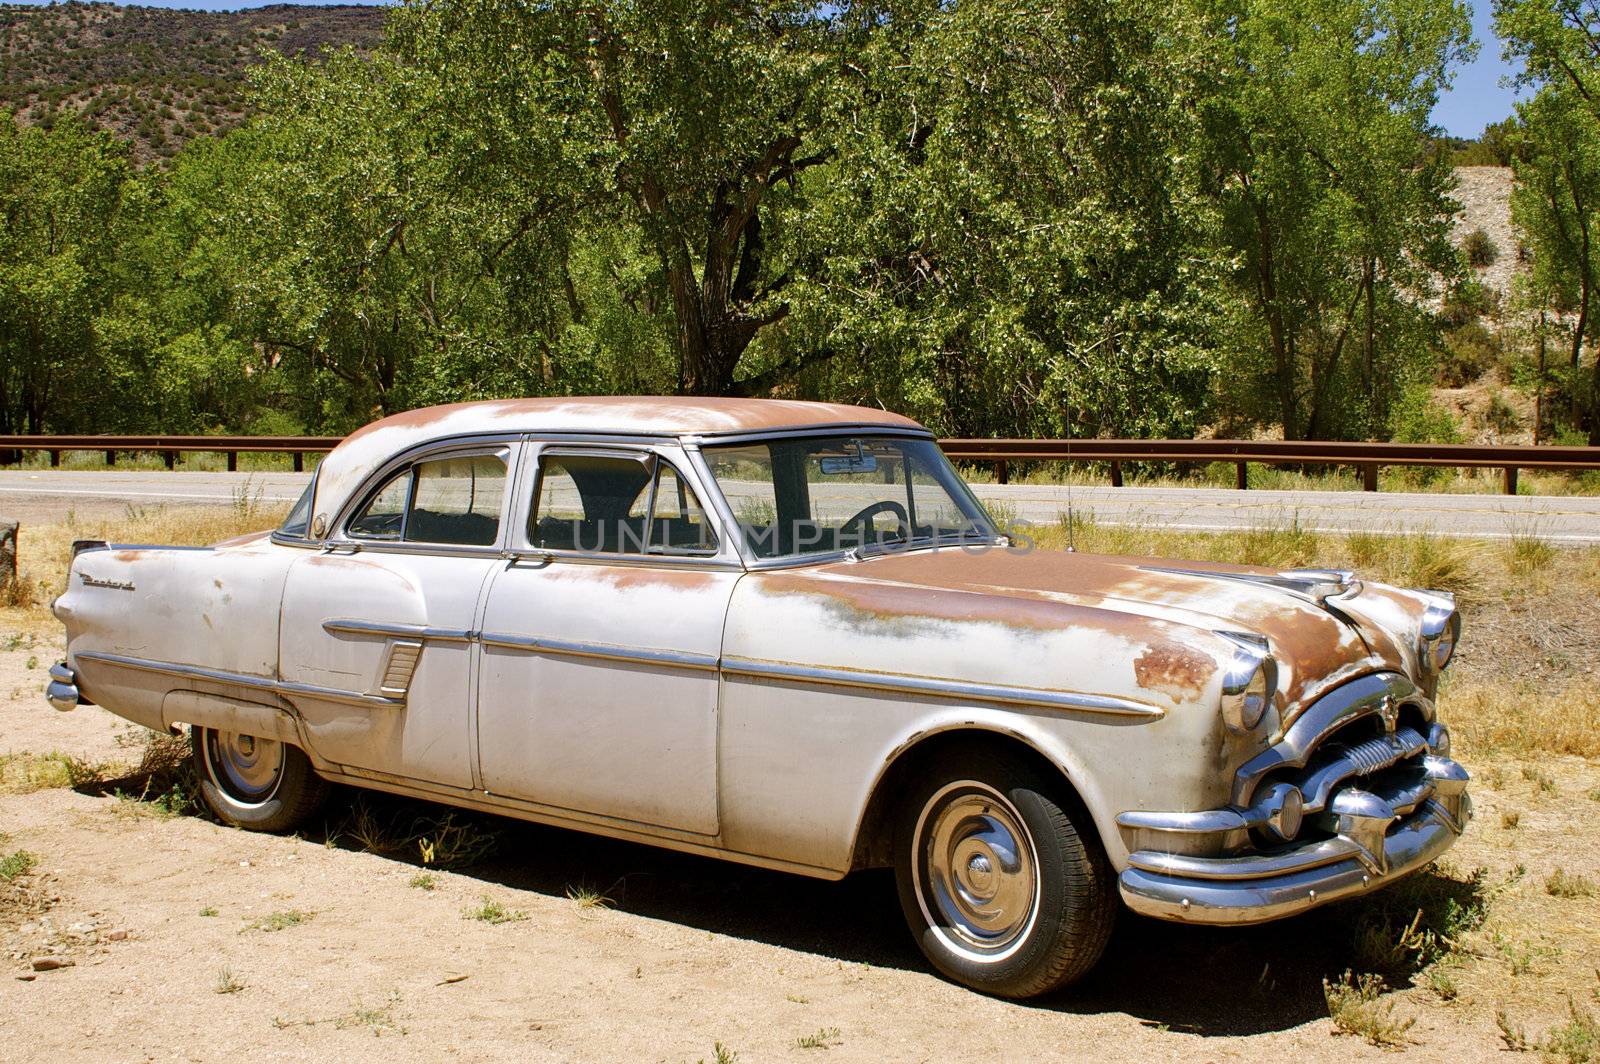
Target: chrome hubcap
x=247 y=768
x=977 y=876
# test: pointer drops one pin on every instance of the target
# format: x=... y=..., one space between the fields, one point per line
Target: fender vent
x=398 y=667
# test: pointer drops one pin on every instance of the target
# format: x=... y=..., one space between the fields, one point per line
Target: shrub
x=1479 y=249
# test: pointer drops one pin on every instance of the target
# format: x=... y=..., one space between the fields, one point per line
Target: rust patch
x=1175 y=670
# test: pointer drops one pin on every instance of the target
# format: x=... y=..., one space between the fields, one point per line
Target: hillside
x=1484 y=193
x=153 y=75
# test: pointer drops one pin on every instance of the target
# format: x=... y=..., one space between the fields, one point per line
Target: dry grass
x=1508 y=718
x=24 y=772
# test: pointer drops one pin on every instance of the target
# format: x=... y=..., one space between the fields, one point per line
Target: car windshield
x=826 y=494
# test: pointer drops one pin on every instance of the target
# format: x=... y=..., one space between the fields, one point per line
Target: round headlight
x=1439 y=739
x=1441 y=631
x=1248 y=684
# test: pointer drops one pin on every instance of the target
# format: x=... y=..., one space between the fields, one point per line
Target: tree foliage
x=1557 y=199
x=1316 y=140
x=1008 y=218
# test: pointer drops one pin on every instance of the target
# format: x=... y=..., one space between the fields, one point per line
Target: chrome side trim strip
x=336 y=694
x=397 y=631
x=240 y=679
x=187 y=672
x=602 y=651
x=928 y=685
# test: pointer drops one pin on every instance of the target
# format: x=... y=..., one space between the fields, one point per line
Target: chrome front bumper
x=62 y=690
x=1255 y=888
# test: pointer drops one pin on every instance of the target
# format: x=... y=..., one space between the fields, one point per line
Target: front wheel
x=1001 y=877
x=255 y=783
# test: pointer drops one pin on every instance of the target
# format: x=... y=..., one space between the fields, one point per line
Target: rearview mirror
x=860 y=462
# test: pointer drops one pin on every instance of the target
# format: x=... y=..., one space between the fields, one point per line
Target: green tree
x=1010 y=241
x=1559 y=43
x=61 y=198
x=1556 y=203
x=672 y=121
x=1317 y=138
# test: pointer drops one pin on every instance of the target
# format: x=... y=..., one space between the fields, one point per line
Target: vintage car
x=786 y=633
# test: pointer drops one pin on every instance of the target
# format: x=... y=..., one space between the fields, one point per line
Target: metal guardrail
x=169 y=447
x=1368 y=457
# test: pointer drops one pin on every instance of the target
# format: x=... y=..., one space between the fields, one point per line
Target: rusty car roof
x=350 y=463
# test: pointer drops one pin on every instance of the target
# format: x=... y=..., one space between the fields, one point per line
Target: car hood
x=1318 y=643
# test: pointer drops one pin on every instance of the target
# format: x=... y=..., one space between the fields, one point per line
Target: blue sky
x=1476 y=99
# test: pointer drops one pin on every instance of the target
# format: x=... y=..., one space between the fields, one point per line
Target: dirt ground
x=191 y=941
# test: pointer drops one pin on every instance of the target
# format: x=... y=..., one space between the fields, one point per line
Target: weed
x=493 y=912
x=1513 y=1036
x=1422 y=919
x=1510 y=819
x=1356 y=1007
x=588 y=898
x=227 y=982
x=1539 y=778
x=1520 y=956
x=378 y=1019
x=425 y=881
x=279 y=921
x=720 y=1054
x=1594 y=795
x=1527 y=552
x=444 y=843
x=209 y=910
x=14 y=865
x=797 y=999
x=1577 y=1041
x=826 y=1038
x=1561 y=884
x=448 y=844
x=1442 y=983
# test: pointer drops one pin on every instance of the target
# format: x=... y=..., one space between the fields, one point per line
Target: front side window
x=813 y=496
x=454 y=501
x=615 y=504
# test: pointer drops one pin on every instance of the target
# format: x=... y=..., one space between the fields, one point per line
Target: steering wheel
x=864 y=517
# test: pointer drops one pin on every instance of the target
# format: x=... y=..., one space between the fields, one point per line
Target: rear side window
x=454 y=501
x=607 y=504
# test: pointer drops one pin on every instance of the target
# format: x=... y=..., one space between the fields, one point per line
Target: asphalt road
x=34 y=496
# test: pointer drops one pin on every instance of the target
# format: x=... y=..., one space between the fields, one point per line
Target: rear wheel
x=1001 y=877
x=253 y=782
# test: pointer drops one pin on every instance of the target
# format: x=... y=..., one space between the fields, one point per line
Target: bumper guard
x=62 y=690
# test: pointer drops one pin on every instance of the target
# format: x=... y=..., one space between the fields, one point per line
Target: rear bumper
x=62 y=690
x=1255 y=889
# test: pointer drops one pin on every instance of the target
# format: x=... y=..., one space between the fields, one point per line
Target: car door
x=598 y=681
x=375 y=640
